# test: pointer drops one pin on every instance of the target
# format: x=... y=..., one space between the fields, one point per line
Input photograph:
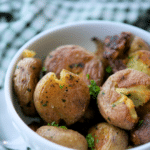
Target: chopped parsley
x=63 y=100
x=109 y=69
x=103 y=93
x=88 y=76
x=108 y=119
x=90 y=141
x=130 y=57
x=140 y=122
x=63 y=127
x=44 y=69
x=44 y=105
x=57 y=125
x=61 y=86
x=94 y=89
x=113 y=105
x=54 y=124
x=97 y=140
x=28 y=89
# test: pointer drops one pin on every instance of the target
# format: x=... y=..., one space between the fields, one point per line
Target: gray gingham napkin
x=20 y=20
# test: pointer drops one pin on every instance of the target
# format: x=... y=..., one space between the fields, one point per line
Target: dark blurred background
x=20 y=20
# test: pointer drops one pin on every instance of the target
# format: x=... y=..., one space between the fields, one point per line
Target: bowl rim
x=8 y=78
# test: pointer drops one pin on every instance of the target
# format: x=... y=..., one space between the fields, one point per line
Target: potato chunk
x=26 y=76
x=64 y=137
x=108 y=137
x=121 y=93
x=141 y=134
x=75 y=59
x=65 y=99
x=137 y=44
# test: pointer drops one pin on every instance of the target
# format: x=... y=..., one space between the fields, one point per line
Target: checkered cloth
x=20 y=20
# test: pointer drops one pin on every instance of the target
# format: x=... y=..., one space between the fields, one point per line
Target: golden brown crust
x=25 y=79
x=75 y=59
x=119 y=114
x=137 y=44
x=66 y=99
x=140 y=60
x=109 y=137
x=65 y=137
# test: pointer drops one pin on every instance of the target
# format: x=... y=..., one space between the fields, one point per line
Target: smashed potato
x=120 y=94
x=64 y=137
x=75 y=59
x=140 y=60
x=108 y=137
x=65 y=99
x=137 y=44
x=25 y=78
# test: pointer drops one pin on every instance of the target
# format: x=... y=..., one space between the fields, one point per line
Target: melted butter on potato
x=65 y=99
x=129 y=104
x=28 y=53
x=138 y=94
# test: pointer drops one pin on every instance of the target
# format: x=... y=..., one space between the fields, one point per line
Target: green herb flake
x=109 y=69
x=17 y=67
x=108 y=119
x=61 y=86
x=54 y=124
x=75 y=65
x=44 y=105
x=48 y=124
x=94 y=89
x=63 y=127
x=33 y=67
x=44 y=69
x=90 y=141
x=103 y=93
x=28 y=89
x=140 y=122
x=88 y=76
x=130 y=57
x=97 y=140
x=113 y=105
x=63 y=100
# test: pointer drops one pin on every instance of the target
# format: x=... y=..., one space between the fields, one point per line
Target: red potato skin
x=75 y=59
x=25 y=78
x=67 y=103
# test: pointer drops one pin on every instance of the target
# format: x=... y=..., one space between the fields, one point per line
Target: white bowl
x=75 y=33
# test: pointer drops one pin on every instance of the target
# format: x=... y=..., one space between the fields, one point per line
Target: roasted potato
x=140 y=60
x=143 y=110
x=64 y=137
x=137 y=44
x=108 y=137
x=65 y=99
x=25 y=78
x=75 y=59
x=120 y=94
x=141 y=134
